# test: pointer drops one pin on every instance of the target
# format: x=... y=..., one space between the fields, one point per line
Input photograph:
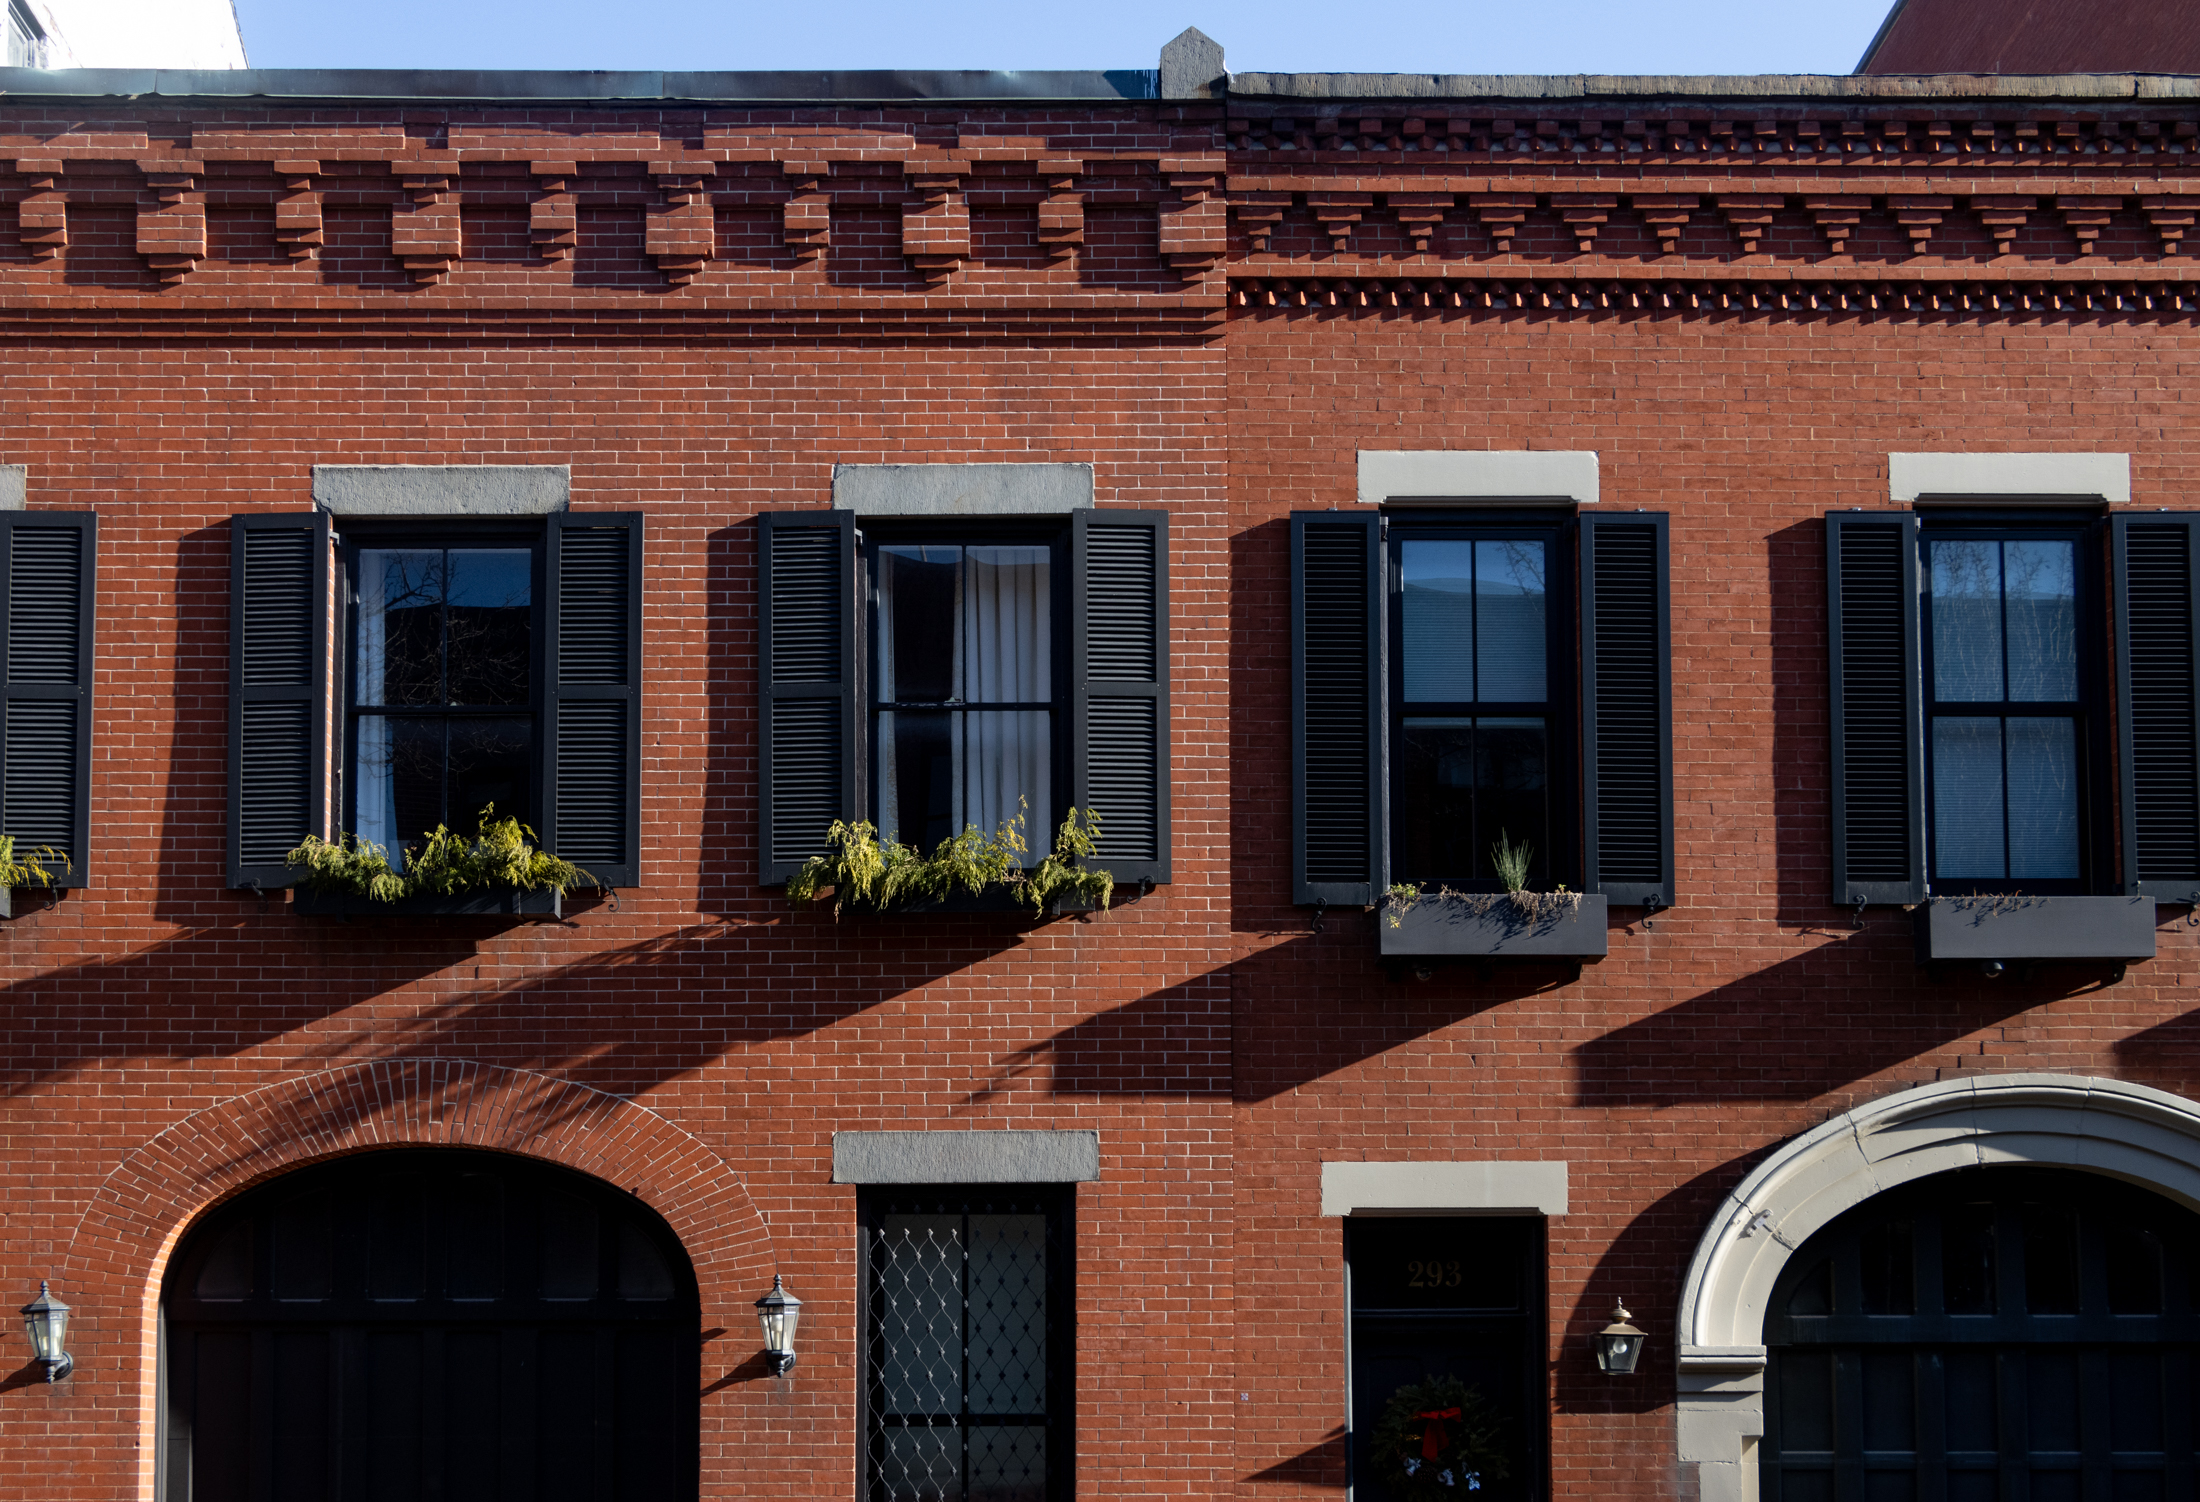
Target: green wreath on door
x=1437 y=1441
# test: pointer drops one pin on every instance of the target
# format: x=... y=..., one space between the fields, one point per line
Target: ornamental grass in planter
x=501 y=858
x=1512 y=862
x=887 y=876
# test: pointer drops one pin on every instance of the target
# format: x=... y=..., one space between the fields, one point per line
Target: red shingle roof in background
x=2037 y=36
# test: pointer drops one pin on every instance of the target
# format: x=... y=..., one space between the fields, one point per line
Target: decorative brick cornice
x=1757 y=289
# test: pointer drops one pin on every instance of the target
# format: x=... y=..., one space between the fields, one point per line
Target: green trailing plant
x=501 y=857
x=31 y=870
x=883 y=875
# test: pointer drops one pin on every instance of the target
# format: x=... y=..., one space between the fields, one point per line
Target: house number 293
x=1432 y=1275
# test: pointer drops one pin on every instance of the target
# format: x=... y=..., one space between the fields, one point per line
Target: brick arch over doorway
x=120 y=1250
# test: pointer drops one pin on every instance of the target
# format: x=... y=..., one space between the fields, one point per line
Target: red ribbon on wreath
x=1433 y=1438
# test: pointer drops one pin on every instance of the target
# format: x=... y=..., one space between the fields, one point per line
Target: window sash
x=974 y=797
x=1555 y=853
x=1948 y=873
x=362 y=721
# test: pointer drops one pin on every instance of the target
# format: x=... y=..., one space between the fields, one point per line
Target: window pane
x=1007 y=621
x=917 y=616
x=1883 y=1266
x=1008 y=1287
x=491 y=762
x=400 y=626
x=2043 y=619
x=2050 y=1259
x=1967 y=803
x=916 y=777
x=1438 y=604
x=2043 y=798
x=917 y=1268
x=1512 y=792
x=1966 y=620
x=1008 y=1464
x=1510 y=614
x=1967 y=1259
x=921 y=1465
x=1436 y=798
x=2134 y=1271
x=490 y=621
x=1008 y=761
x=400 y=781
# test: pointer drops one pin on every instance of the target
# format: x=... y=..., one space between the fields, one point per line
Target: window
x=1455 y=1296
x=1461 y=678
x=476 y=666
x=1476 y=618
x=969 y=1344
x=928 y=677
x=1975 y=664
x=423 y=1322
x=1987 y=1333
x=445 y=686
x=26 y=38
x=964 y=677
x=2008 y=672
x=48 y=581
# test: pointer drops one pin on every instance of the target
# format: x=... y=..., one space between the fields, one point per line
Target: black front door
x=429 y=1324
x=1441 y=1299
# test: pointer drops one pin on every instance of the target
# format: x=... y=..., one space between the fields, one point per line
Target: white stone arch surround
x=2130 y=1132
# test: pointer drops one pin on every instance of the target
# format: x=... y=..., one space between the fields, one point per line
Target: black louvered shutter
x=1340 y=828
x=808 y=761
x=278 y=691
x=2157 y=566
x=48 y=579
x=1878 y=747
x=1626 y=709
x=1119 y=669
x=592 y=715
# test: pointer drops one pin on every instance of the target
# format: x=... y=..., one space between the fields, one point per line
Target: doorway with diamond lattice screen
x=968 y=1344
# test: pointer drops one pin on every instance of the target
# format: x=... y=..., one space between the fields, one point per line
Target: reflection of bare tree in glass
x=444 y=628
x=1523 y=563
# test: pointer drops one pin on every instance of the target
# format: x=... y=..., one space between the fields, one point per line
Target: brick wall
x=167 y=1041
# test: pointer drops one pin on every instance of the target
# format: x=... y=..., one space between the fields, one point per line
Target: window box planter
x=1486 y=928
x=545 y=904
x=2034 y=928
x=993 y=900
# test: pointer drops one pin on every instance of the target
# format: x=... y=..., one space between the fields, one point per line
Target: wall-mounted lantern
x=1619 y=1344
x=46 y=1321
x=778 y=1312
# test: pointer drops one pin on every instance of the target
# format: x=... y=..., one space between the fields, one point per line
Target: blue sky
x=1477 y=36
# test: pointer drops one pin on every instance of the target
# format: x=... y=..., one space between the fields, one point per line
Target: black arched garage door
x=1991 y=1335
x=419 y=1324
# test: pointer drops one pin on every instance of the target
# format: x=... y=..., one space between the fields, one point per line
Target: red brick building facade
x=706 y=299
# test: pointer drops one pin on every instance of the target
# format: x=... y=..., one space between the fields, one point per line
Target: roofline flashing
x=1116 y=86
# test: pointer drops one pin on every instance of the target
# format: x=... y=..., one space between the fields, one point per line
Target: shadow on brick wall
x=190 y=885
x=1835 y=1015
x=1260 y=732
x=1643 y=1266
x=1314 y=1005
x=1802 y=754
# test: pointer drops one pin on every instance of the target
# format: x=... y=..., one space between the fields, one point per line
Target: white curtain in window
x=1006 y=649
x=374 y=786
